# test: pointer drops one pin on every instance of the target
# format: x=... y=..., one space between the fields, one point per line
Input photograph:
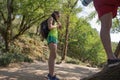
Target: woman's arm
x=59 y=25
x=50 y=25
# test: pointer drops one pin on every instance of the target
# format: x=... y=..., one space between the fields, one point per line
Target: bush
x=8 y=58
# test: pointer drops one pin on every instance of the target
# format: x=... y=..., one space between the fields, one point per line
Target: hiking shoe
x=52 y=77
x=113 y=62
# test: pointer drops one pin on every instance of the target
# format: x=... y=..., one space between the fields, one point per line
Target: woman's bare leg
x=52 y=56
x=106 y=23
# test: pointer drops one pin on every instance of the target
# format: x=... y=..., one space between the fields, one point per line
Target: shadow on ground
x=38 y=71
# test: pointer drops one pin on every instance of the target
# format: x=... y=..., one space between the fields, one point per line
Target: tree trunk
x=67 y=27
x=66 y=39
x=8 y=24
x=117 y=51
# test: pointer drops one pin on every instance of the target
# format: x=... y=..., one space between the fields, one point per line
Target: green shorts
x=52 y=39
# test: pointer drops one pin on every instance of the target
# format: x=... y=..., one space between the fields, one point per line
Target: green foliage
x=116 y=24
x=72 y=61
x=8 y=58
x=114 y=45
x=13 y=56
x=24 y=15
x=84 y=43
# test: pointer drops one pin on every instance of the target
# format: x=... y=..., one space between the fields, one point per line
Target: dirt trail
x=38 y=70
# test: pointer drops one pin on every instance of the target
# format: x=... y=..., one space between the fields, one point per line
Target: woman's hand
x=59 y=25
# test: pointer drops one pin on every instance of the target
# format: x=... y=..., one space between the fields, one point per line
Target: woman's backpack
x=44 y=30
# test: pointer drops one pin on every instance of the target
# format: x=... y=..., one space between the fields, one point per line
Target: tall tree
x=70 y=8
x=6 y=32
x=17 y=16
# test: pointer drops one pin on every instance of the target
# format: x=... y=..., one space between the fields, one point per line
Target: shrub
x=8 y=58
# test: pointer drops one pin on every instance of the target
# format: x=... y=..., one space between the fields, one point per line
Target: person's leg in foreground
x=106 y=12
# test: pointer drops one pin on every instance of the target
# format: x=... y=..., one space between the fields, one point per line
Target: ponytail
x=53 y=15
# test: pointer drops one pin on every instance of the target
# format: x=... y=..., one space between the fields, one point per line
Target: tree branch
x=26 y=26
x=2 y=16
